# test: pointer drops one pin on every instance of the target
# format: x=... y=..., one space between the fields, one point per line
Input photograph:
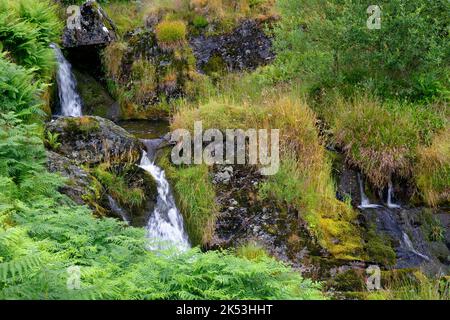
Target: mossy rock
x=82 y=125
x=94 y=140
x=96 y=99
x=378 y=248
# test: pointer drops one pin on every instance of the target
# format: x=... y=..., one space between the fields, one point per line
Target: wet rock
x=92 y=140
x=110 y=156
x=96 y=99
x=245 y=48
x=223 y=176
x=94 y=28
x=406 y=230
x=243 y=217
x=79 y=181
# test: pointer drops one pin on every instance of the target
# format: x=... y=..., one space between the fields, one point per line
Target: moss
x=82 y=125
x=96 y=100
x=378 y=248
x=215 y=67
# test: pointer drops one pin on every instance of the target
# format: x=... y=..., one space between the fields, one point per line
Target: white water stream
x=165 y=226
x=69 y=98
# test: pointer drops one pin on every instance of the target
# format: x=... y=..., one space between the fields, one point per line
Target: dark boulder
x=95 y=28
x=245 y=48
x=77 y=186
x=100 y=161
x=93 y=140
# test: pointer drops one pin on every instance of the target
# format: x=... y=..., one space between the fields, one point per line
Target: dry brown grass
x=433 y=169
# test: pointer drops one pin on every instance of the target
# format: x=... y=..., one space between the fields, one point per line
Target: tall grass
x=380 y=138
x=304 y=180
x=432 y=170
x=195 y=196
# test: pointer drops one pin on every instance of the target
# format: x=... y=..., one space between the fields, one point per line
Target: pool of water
x=146 y=129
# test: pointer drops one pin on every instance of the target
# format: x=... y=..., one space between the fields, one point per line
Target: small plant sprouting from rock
x=51 y=140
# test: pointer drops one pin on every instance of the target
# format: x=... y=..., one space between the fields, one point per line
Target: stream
x=165 y=227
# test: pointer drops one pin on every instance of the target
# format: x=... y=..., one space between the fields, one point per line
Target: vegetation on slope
x=383 y=92
x=42 y=233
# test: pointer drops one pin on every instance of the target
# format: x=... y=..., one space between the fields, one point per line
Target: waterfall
x=166 y=223
x=390 y=204
x=68 y=97
x=365 y=202
x=408 y=244
x=118 y=210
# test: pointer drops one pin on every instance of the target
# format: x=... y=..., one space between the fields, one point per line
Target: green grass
x=382 y=139
x=251 y=251
x=195 y=197
x=419 y=288
x=118 y=187
x=170 y=32
x=303 y=181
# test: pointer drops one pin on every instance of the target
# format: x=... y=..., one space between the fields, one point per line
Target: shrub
x=171 y=33
x=327 y=44
x=112 y=57
x=251 y=251
x=118 y=188
x=200 y=22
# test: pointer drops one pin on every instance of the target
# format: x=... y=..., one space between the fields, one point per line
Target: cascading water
x=165 y=225
x=406 y=241
x=118 y=210
x=389 y=223
x=68 y=97
x=390 y=204
x=365 y=202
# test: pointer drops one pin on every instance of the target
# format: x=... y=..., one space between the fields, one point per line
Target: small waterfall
x=365 y=202
x=118 y=210
x=165 y=223
x=408 y=244
x=390 y=204
x=68 y=97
